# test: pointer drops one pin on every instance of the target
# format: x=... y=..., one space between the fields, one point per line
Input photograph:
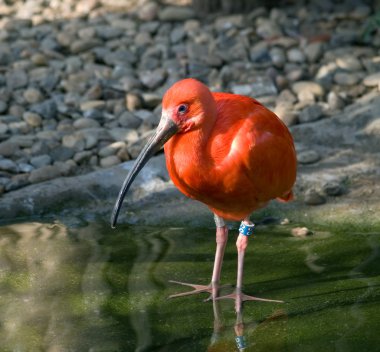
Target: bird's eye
x=182 y=109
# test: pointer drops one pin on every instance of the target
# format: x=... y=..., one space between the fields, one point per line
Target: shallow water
x=89 y=288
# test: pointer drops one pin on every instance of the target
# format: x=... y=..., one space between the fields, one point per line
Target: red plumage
x=235 y=156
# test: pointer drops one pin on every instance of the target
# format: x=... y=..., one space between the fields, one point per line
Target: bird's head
x=188 y=103
x=185 y=107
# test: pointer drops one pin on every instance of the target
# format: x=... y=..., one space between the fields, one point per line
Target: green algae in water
x=92 y=288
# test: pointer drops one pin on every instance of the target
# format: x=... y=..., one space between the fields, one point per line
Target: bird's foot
x=212 y=288
x=241 y=297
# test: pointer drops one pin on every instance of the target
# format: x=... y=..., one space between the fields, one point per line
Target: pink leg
x=213 y=287
x=238 y=295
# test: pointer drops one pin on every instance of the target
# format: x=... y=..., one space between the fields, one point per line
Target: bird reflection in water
x=221 y=338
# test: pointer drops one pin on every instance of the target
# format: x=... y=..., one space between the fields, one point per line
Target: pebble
x=148 y=11
x=32 y=119
x=85 y=122
x=314 y=88
x=301 y=232
x=333 y=188
x=372 y=80
x=312 y=197
x=44 y=173
x=346 y=79
x=310 y=113
x=314 y=51
x=109 y=161
x=334 y=101
x=33 y=95
x=128 y=120
x=41 y=160
x=176 y=13
x=296 y=55
x=8 y=165
x=308 y=157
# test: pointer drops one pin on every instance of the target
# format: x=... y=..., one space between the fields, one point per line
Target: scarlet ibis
x=227 y=151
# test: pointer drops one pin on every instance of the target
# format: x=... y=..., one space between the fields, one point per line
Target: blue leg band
x=240 y=343
x=246 y=230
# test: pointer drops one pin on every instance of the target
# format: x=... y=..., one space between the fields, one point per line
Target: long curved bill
x=165 y=130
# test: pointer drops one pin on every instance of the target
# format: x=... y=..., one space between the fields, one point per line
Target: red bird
x=227 y=151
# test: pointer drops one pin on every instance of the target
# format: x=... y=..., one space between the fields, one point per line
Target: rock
x=267 y=29
x=278 y=56
x=111 y=149
x=123 y=154
x=44 y=173
x=310 y=113
x=346 y=79
x=16 y=79
x=17 y=111
x=312 y=197
x=176 y=13
x=333 y=188
x=8 y=165
x=308 y=157
x=349 y=63
x=47 y=109
x=75 y=141
x=372 y=80
x=93 y=105
x=128 y=120
x=41 y=160
x=314 y=88
x=3 y=128
x=314 y=51
x=33 y=95
x=301 y=232
x=295 y=55
x=81 y=45
x=372 y=128
x=148 y=11
x=259 y=52
x=334 y=101
x=109 y=161
x=153 y=79
x=3 y=106
x=151 y=100
x=133 y=101
x=17 y=181
x=8 y=148
x=285 y=112
x=62 y=153
x=25 y=167
x=32 y=119
x=82 y=157
x=85 y=122
x=230 y=21
x=261 y=85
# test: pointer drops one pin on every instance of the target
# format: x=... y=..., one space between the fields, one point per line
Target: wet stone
x=128 y=120
x=308 y=157
x=109 y=161
x=44 y=173
x=41 y=160
x=346 y=79
x=32 y=119
x=85 y=122
x=372 y=80
x=176 y=13
x=17 y=181
x=8 y=165
x=33 y=95
x=301 y=232
x=333 y=188
x=311 y=113
x=313 y=197
x=313 y=87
